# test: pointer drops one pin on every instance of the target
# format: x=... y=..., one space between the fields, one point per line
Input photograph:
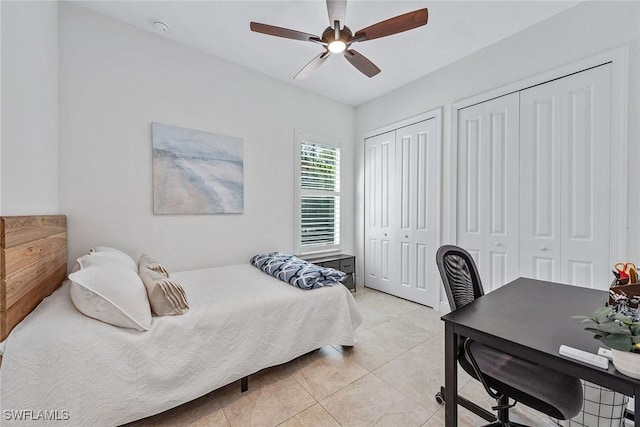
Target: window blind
x=320 y=196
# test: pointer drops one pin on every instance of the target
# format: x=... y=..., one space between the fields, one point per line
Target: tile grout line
x=304 y=388
x=225 y=416
x=295 y=415
x=430 y=418
x=394 y=387
x=403 y=393
x=341 y=388
x=317 y=402
x=329 y=412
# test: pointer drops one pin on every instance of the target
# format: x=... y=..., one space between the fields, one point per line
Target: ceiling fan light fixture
x=337 y=46
x=338 y=38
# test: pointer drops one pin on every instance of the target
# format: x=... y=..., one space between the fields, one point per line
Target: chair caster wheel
x=439 y=398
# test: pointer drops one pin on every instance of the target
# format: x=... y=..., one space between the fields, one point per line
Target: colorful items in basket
x=624 y=293
x=625 y=273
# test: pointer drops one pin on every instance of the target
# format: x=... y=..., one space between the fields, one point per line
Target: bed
x=240 y=321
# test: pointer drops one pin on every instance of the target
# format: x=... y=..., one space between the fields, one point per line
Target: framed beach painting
x=196 y=172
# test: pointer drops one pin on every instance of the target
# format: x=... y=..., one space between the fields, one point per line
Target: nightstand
x=343 y=262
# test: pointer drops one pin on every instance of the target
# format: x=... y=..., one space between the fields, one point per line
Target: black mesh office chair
x=503 y=376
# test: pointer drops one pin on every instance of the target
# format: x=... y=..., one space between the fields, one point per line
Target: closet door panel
x=372 y=220
x=471 y=235
x=425 y=210
x=379 y=207
x=385 y=261
x=372 y=223
x=498 y=175
x=502 y=214
x=498 y=269
x=540 y=194
x=417 y=162
x=406 y=179
x=405 y=265
x=426 y=170
x=470 y=162
x=487 y=193
x=405 y=171
x=372 y=254
x=544 y=268
x=422 y=267
x=586 y=178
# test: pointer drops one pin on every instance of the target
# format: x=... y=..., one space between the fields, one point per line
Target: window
x=318 y=199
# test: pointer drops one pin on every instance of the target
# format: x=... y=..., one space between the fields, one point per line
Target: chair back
x=459 y=275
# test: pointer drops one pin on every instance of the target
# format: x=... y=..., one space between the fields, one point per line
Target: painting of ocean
x=196 y=172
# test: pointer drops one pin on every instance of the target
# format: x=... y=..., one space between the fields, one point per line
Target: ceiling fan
x=338 y=38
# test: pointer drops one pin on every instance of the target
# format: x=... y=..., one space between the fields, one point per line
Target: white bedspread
x=241 y=320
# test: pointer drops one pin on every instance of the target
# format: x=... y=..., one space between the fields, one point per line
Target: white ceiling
x=455 y=30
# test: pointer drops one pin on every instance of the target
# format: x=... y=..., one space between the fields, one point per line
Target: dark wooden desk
x=530 y=319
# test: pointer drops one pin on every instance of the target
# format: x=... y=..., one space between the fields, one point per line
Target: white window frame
x=301 y=137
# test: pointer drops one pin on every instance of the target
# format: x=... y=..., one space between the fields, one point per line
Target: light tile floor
x=388 y=379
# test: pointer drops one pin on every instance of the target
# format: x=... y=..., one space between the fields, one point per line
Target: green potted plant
x=621 y=334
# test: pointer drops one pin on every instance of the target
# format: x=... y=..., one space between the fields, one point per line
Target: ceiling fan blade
x=308 y=69
x=281 y=32
x=337 y=12
x=395 y=25
x=359 y=61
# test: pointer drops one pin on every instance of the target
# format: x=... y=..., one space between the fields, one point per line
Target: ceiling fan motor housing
x=329 y=35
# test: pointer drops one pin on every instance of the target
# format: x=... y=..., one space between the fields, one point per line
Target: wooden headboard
x=33 y=264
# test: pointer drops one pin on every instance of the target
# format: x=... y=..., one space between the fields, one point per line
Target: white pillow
x=115 y=253
x=106 y=289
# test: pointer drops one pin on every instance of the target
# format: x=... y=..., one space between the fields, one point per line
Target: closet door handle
x=406 y=236
x=543 y=248
x=385 y=234
x=498 y=244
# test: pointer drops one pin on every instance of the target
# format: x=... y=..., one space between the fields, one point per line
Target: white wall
x=580 y=32
x=115 y=80
x=29 y=135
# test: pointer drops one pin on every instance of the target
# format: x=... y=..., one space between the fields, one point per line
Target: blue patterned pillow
x=296 y=271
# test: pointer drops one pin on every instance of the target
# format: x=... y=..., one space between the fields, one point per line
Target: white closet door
x=401 y=212
x=586 y=178
x=565 y=178
x=379 y=210
x=487 y=204
x=540 y=177
x=416 y=172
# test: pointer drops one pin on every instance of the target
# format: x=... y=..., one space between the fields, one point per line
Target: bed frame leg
x=244 y=384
